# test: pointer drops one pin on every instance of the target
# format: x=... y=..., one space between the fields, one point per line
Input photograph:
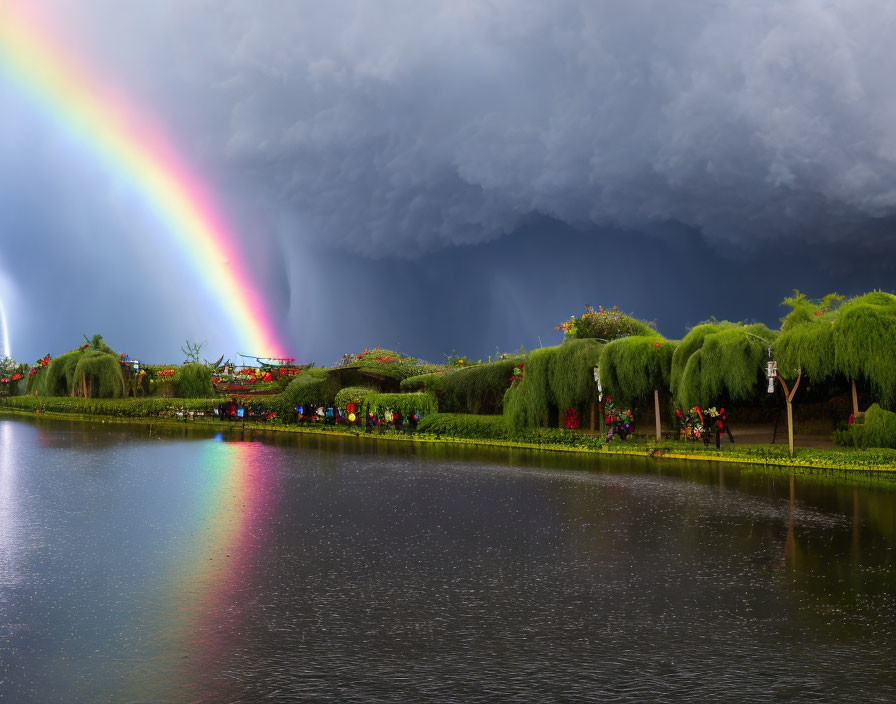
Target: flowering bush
x=603 y=324
x=518 y=372
x=572 y=419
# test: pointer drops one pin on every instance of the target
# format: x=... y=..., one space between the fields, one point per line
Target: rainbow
x=108 y=125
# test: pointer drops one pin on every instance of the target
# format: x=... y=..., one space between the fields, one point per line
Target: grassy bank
x=454 y=430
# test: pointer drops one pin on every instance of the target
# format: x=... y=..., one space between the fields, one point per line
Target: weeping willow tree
x=58 y=378
x=554 y=379
x=93 y=370
x=476 y=389
x=194 y=380
x=855 y=340
x=635 y=368
x=720 y=363
x=98 y=375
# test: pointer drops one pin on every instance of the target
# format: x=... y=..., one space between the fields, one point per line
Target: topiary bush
x=406 y=404
x=353 y=394
x=462 y=425
x=877 y=430
x=313 y=387
x=193 y=380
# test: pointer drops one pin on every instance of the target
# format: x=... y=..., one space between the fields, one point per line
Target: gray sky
x=462 y=176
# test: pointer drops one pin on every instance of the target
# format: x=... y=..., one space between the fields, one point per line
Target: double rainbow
x=109 y=126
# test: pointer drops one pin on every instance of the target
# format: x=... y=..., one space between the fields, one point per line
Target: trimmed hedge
x=462 y=425
x=353 y=394
x=121 y=407
x=877 y=430
x=473 y=427
x=406 y=404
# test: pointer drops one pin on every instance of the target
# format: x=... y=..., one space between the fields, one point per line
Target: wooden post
x=656 y=407
x=855 y=400
x=788 y=397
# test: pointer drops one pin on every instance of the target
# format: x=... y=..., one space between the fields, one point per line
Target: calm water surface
x=187 y=568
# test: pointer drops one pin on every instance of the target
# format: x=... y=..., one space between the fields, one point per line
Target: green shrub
x=406 y=404
x=878 y=430
x=462 y=425
x=98 y=375
x=193 y=380
x=475 y=427
x=118 y=407
x=313 y=387
x=353 y=394
x=476 y=389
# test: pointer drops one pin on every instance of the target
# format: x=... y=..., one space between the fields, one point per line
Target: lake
x=142 y=565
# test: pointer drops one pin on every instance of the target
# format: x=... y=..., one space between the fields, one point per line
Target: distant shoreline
x=806 y=459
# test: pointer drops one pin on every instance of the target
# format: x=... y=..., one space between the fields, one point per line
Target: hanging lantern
x=772 y=373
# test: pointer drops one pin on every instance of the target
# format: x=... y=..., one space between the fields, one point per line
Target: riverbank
x=882 y=461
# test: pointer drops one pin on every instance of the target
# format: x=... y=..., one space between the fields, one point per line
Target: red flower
x=657 y=344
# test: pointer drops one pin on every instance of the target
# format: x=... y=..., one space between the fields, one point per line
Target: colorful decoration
x=618 y=422
x=699 y=424
x=124 y=137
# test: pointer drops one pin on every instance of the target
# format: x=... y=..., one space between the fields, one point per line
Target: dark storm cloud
x=396 y=128
x=530 y=157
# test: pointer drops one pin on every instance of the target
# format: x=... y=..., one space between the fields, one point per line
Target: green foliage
x=719 y=364
x=313 y=387
x=856 y=340
x=353 y=394
x=556 y=378
x=115 y=407
x=59 y=375
x=877 y=430
x=191 y=351
x=476 y=427
x=476 y=389
x=387 y=364
x=691 y=342
x=632 y=367
x=194 y=380
x=604 y=325
x=99 y=374
x=406 y=404
x=572 y=373
x=461 y=425
x=527 y=404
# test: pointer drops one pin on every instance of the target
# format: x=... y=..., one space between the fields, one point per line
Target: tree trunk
x=656 y=408
x=855 y=400
x=593 y=413
x=790 y=426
